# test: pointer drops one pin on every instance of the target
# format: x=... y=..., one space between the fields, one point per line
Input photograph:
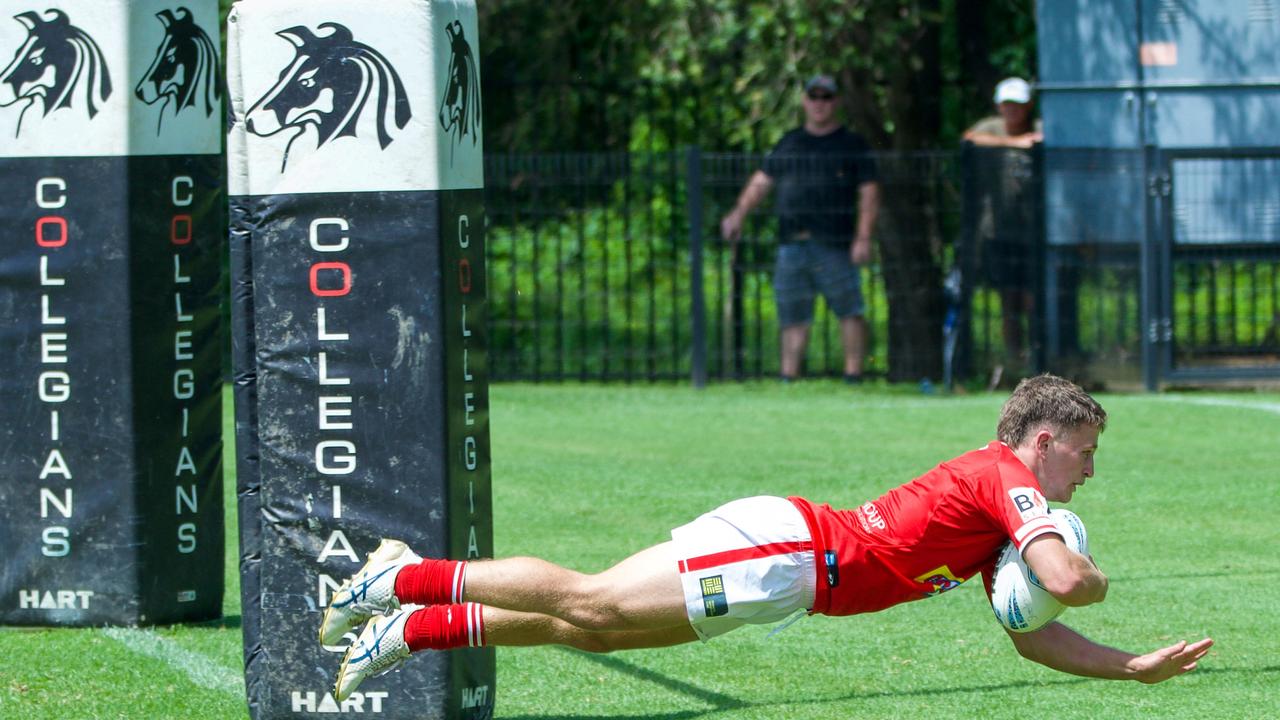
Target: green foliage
x=730 y=70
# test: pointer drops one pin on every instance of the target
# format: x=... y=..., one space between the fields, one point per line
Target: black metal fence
x=1104 y=265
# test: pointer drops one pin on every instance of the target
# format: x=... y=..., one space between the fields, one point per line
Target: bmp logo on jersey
x=460 y=108
x=184 y=73
x=1029 y=502
x=330 y=85
x=56 y=63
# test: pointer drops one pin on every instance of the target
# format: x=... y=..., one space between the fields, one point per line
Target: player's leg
x=388 y=640
x=638 y=603
x=641 y=592
x=517 y=629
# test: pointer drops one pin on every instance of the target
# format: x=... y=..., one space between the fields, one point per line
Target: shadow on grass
x=230 y=622
x=721 y=703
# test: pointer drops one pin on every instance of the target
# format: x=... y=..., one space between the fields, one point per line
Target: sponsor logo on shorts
x=1030 y=503
x=714 y=601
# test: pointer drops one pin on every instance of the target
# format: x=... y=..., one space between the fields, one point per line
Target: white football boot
x=379 y=649
x=370 y=592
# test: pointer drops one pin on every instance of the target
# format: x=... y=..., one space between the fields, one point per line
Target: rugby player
x=762 y=559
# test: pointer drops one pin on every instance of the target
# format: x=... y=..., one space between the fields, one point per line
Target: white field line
x=928 y=402
x=197 y=667
x=944 y=401
x=1269 y=407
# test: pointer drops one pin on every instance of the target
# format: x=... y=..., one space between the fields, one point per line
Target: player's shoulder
x=993 y=465
x=977 y=461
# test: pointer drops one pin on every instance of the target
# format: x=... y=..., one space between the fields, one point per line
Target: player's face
x=1068 y=461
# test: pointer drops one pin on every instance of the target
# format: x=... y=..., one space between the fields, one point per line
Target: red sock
x=445 y=627
x=431 y=582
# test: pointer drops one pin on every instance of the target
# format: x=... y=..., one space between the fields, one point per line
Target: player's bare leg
x=642 y=592
x=512 y=628
x=638 y=603
x=389 y=640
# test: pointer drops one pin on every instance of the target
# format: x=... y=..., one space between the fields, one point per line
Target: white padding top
x=351 y=96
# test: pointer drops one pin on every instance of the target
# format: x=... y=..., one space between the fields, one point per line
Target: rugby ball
x=1020 y=603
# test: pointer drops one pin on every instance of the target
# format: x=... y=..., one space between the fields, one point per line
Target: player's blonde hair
x=1047 y=400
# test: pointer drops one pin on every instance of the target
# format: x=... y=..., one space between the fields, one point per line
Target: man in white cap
x=1007 y=227
x=1013 y=127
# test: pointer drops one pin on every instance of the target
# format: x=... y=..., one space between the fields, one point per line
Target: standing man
x=1008 y=227
x=819 y=169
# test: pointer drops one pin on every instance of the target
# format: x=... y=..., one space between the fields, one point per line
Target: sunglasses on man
x=821 y=96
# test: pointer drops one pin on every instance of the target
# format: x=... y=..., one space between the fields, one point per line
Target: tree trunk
x=910 y=232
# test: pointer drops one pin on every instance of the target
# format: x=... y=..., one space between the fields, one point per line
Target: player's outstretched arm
x=1061 y=648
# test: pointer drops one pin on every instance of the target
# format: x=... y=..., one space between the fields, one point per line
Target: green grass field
x=1183 y=516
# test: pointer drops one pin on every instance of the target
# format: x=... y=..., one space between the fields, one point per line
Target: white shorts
x=748 y=561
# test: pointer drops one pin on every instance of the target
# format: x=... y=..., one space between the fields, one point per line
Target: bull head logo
x=184 y=72
x=329 y=85
x=56 y=63
x=460 y=108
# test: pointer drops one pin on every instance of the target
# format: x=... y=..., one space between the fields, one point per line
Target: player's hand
x=860 y=250
x=1160 y=665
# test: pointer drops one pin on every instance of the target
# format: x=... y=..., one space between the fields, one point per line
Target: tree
x=914 y=74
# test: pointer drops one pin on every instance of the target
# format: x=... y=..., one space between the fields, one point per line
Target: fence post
x=697 y=298
x=1150 y=310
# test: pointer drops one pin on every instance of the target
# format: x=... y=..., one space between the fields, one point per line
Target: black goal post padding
x=113 y=219
x=359 y=330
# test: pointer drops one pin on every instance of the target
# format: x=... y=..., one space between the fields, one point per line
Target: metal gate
x=1217 y=264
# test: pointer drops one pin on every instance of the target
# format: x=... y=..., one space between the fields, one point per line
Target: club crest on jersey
x=56 y=64
x=1029 y=502
x=184 y=72
x=942 y=580
x=333 y=85
x=714 y=601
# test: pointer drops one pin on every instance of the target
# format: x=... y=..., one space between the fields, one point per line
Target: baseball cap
x=1014 y=90
x=821 y=82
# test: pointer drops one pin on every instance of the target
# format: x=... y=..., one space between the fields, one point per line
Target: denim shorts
x=803 y=270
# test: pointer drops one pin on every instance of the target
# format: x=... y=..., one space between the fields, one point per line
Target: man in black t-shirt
x=817 y=169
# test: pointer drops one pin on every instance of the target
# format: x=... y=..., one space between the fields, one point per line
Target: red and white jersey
x=927 y=536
